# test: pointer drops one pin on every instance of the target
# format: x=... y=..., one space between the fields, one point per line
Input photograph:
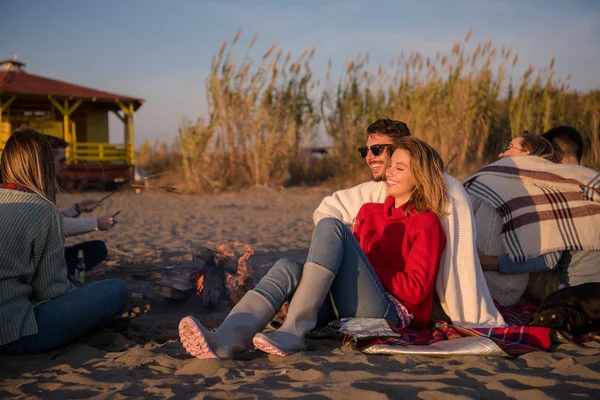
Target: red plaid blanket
x=515 y=339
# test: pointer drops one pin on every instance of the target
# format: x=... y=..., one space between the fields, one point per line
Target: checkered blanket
x=545 y=207
x=513 y=340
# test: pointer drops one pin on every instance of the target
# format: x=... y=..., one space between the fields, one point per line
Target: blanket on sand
x=377 y=336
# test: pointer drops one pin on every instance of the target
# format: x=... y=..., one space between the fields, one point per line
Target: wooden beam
x=57 y=105
x=126 y=110
x=122 y=118
x=74 y=107
x=65 y=109
x=5 y=107
x=7 y=103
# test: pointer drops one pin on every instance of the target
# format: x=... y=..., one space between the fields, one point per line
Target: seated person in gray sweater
x=94 y=251
x=40 y=309
x=555 y=270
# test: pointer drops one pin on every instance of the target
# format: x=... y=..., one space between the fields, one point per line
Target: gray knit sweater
x=32 y=261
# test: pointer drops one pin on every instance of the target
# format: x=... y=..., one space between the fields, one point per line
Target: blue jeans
x=94 y=252
x=64 y=318
x=356 y=290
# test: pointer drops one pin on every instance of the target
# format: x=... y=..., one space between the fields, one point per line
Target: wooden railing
x=101 y=152
x=96 y=151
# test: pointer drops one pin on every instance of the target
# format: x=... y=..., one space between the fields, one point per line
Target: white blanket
x=460 y=283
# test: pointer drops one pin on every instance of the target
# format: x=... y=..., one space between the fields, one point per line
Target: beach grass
x=467 y=103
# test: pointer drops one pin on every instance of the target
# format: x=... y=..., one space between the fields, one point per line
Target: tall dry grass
x=464 y=103
x=259 y=116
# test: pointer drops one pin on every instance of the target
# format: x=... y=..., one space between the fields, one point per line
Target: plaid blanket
x=545 y=207
x=514 y=340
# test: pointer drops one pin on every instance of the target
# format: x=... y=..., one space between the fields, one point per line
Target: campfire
x=226 y=270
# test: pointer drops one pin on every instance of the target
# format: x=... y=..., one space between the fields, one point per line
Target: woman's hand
x=488 y=263
x=106 y=222
x=88 y=205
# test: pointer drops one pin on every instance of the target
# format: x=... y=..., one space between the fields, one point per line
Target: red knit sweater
x=404 y=252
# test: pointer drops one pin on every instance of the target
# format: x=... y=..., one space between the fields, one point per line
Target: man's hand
x=88 y=205
x=106 y=222
x=488 y=263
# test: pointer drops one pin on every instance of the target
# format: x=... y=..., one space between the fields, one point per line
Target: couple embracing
x=413 y=237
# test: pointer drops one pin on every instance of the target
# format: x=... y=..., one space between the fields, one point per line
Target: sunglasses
x=376 y=149
x=510 y=146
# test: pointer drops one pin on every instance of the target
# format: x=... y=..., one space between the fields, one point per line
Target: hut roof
x=20 y=82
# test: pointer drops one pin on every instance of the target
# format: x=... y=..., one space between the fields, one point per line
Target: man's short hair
x=567 y=139
x=388 y=127
x=56 y=142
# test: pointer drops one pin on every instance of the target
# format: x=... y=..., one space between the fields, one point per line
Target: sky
x=161 y=50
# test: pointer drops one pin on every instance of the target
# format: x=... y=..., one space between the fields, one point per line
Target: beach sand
x=148 y=361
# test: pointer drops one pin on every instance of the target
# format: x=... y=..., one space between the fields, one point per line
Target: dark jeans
x=64 y=318
x=94 y=252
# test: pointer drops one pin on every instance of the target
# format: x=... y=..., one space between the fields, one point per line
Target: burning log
x=212 y=281
x=213 y=257
x=221 y=273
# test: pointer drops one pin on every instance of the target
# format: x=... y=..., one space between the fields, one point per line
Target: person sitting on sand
x=386 y=270
x=523 y=203
x=40 y=309
x=550 y=271
x=94 y=251
x=461 y=293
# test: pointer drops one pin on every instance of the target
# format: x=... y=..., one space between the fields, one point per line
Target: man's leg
x=94 y=252
x=64 y=318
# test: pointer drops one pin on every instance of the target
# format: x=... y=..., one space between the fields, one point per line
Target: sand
x=147 y=360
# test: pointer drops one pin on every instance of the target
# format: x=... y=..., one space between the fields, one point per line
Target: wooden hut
x=74 y=113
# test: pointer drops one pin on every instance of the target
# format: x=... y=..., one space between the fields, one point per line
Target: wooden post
x=128 y=122
x=131 y=136
x=4 y=107
x=66 y=112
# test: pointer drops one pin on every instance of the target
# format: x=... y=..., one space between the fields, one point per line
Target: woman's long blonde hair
x=27 y=160
x=427 y=169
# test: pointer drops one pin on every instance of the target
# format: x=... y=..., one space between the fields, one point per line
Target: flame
x=224 y=250
x=244 y=274
x=198 y=277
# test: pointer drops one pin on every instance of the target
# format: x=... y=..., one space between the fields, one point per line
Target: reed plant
x=157 y=157
x=259 y=116
x=465 y=103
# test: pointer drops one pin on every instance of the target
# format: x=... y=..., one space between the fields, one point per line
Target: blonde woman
x=386 y=269
x=40 y=309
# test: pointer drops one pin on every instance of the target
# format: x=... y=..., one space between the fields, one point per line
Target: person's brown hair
x=388 y=127
x=537 y=145
x=567 y=139
x=27 y=161
x=56 y=142
x=427 y=169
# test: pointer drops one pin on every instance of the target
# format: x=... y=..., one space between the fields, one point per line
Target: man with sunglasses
x=460 y=284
